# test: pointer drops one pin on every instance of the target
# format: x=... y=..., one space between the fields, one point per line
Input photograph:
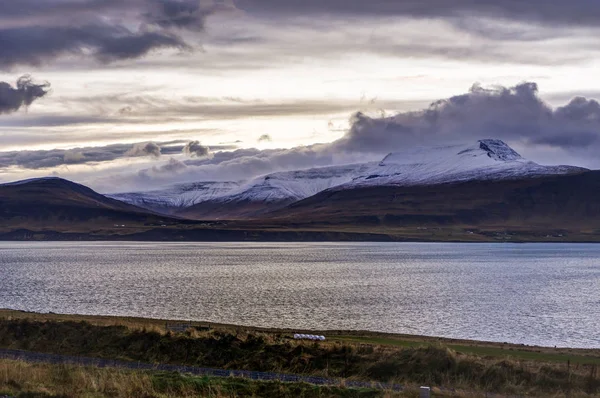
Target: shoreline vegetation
x=247 y=232
x=453 y=367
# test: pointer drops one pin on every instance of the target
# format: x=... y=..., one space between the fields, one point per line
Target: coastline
x=450 y=235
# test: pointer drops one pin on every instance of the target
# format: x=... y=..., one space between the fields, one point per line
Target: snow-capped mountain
x=482 y=160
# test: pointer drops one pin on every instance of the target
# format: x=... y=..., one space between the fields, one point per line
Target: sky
x=141 y=94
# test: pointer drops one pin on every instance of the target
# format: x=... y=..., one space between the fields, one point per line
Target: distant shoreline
x=258 y=235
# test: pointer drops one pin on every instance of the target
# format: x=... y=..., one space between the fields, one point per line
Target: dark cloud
x=196 y=149
x=265 y=138
x=24 y=94
x=575 y=12
x=515 y=114
x=144 y=149
x=34 y=32
x=178 y=14
x=34 y=45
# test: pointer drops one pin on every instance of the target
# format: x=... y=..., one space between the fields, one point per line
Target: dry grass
x=41 y=380
x=408 y=360
x=17 y=377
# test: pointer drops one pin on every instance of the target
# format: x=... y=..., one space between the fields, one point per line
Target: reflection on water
x=546 y=294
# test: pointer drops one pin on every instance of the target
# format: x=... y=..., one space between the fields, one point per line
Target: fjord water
x=542 y=294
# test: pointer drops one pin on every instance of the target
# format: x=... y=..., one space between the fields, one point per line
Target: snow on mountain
x=281 y=188
x=178 y=196
x=295 y=185
x=484 y=160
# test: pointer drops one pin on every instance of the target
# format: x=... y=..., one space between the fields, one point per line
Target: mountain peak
x=499 y=150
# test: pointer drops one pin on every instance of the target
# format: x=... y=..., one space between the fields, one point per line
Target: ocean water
x=537 y=294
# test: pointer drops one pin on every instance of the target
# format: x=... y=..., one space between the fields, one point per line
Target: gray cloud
x=144 y=149
x=89 y=155
x=34 y=45
x=35 y=32
x=515 y=114
x=196 y=149
x=265 y=138
x=25 y=93
x=171 y=167
x=576 y=12
x=178 y=14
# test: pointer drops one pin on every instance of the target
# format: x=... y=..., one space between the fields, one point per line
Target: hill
x=56 y=203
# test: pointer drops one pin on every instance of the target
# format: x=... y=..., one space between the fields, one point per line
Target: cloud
x=514 y=114
x=181 y=14
x=265 y=138
x=34 y=32
x=35 y=45
x=144 y=149
x=25 y=93
x=41 y=159
x=576 y=12
x=169 y=168
x=120 y=110
x=196 y=149
x=239 y=165
x=73 y=157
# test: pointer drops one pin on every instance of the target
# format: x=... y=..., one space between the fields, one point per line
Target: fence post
x=425 y=392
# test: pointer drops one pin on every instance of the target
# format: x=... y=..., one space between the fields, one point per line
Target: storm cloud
x=514 y=114
x=108 y=30
x=24 y=94
x=576 y=12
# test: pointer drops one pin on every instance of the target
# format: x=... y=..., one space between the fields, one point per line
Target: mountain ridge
x=485 y=159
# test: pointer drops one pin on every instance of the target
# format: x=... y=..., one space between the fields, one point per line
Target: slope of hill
x=55 y=202
x=543 y=204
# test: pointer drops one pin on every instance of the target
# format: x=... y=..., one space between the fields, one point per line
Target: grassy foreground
x=21 y=379
x=475 y=367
